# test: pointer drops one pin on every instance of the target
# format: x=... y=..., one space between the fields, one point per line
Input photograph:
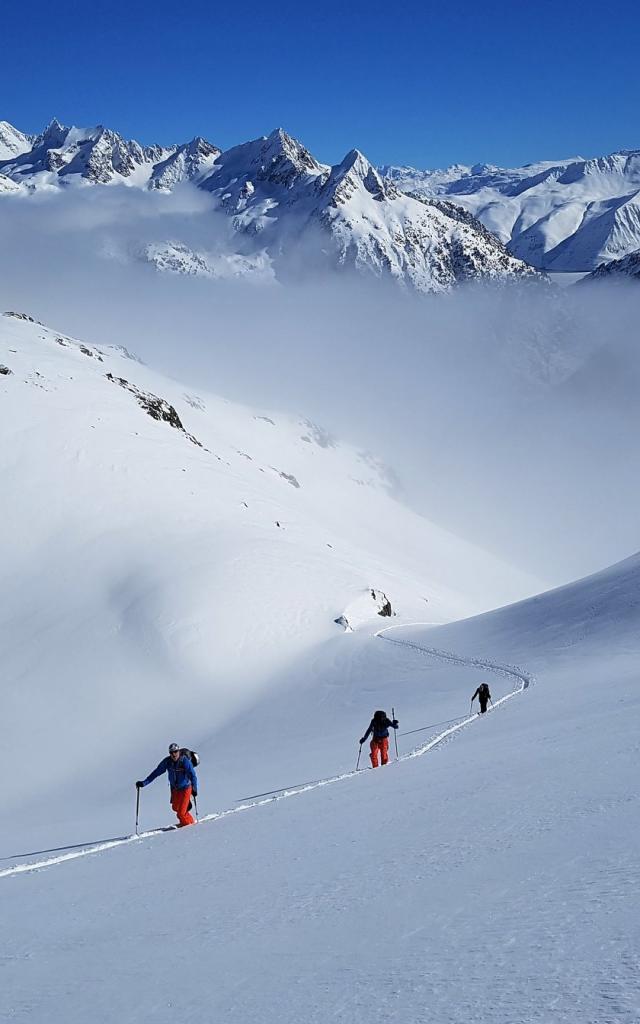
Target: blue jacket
x=181 y=773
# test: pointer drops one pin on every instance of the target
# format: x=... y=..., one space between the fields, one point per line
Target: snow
x=216 y=565
x=562 y=216
x=289 y=214
x=179 y=567
x=12 y=141
x=492 y=877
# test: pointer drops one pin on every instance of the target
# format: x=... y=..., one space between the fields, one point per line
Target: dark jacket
x=181 y=773
x=379 y=728
x=482 y=693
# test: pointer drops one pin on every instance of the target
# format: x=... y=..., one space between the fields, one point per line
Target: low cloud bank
x=509 y=413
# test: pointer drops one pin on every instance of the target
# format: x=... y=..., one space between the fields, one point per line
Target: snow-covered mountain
x=627 y=267
x=190 y=162
x=348 y=216
x=12 y=142
x=174 y=257
x=287 y=210
x=569 y=215
x=61 y=155
x=157 y=589
x=198 y=533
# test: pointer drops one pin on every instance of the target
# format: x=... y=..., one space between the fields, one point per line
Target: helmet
x=173 y=747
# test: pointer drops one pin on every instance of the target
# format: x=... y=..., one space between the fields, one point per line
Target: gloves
x=139 y=785
x=194 y=792
x=361 y=741
x=395 y=723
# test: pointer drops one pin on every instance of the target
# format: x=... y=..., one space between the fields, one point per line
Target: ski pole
x=358 y=761
x=395 y=731
x=195 y=806
x=137 y=807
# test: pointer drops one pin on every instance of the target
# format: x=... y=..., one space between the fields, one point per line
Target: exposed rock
x=318 y=435
x=343 y=621
x=87 y=352
x=289 y=477
x=385 y=609
x=5 y=371
x=156 y=407
x=22 y=316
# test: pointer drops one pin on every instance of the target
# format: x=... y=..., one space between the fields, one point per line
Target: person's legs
x=180 y=802
x=384 y=750
x=483 y=706
x=374 y=753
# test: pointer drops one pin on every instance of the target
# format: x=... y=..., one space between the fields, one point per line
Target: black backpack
x=191 y=754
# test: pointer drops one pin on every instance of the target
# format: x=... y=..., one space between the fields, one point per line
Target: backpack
x=191 y=754
x=483 y=690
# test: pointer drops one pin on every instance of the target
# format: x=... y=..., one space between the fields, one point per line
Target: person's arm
x=476 y=694
x=368 y=732
x=160 y=770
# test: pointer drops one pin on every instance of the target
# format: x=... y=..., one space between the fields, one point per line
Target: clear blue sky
x=406 y=82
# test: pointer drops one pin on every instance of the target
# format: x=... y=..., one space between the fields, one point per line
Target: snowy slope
x=564 y=216
x=287 y=211
x=158 y=542
x=626 y=268
x=491 y=877
x=12 y=141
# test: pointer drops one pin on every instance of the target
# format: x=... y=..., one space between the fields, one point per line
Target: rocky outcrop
x=157 y=408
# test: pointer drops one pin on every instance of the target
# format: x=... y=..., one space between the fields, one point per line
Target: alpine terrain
x=566 y=215
x=289 y=215
x=178 y=568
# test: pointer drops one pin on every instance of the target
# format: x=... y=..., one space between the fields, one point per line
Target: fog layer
x=509 y=414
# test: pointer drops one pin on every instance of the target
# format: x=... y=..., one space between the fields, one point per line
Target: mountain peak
x=282 y=146
x=12 y=141
x=53 y=135
x=353 y=171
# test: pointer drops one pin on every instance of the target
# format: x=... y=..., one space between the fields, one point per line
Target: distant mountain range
x=291 y=216
x=568 y=215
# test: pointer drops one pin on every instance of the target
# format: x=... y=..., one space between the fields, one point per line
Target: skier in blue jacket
x=379 y=732
x=182 y=780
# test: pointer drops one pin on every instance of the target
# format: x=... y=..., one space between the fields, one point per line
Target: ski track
x=524 y=680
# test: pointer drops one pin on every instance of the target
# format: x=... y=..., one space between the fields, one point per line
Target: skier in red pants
x=379 y=731
x=182 y=780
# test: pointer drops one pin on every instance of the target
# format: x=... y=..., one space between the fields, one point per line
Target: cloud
x=508 y=413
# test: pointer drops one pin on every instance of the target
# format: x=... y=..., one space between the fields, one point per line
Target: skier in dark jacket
x=182 y=780
x=379 y=731
x=483 y=695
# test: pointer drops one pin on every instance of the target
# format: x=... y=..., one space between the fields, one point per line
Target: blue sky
x=405 y=82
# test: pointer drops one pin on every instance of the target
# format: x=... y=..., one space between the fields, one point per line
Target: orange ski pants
x=381 y=747
x=180 y=801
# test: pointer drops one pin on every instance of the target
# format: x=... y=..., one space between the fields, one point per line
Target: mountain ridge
x=288 y=211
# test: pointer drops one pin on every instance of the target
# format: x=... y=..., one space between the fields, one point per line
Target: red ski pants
x=180 y=801
x=381 y=746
